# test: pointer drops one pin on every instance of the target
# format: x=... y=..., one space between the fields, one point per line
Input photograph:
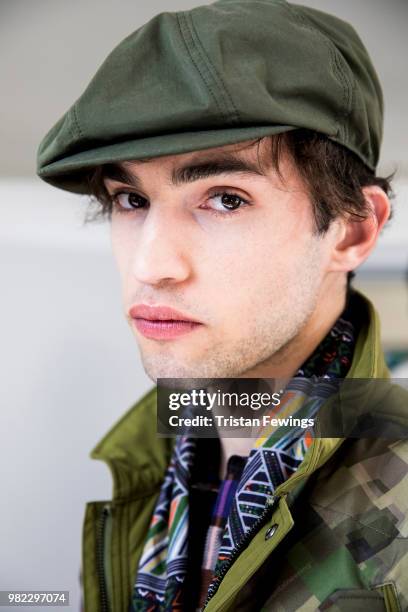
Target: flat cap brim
x=72 y=172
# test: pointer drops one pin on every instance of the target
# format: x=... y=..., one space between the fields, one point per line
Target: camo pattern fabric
x=348 y=548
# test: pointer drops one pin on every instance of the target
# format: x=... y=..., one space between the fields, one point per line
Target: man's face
x=222 y=240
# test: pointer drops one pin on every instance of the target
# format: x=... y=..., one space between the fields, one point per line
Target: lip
x=161 y=322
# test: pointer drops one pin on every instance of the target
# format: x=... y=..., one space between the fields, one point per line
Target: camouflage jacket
x=335 y=535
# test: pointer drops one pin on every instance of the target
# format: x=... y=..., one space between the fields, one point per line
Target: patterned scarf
x=274 y=457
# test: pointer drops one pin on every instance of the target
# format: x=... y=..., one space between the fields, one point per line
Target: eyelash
x=228 y=212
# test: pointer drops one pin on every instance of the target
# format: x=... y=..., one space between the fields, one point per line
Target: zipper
x=270 y=506
x=390 y=597
x=100 y=557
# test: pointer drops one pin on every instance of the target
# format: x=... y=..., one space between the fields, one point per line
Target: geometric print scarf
x=274 y=457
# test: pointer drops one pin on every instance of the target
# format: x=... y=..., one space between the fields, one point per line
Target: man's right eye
x=128 y=201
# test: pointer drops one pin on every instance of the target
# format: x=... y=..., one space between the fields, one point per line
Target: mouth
x=161 y=322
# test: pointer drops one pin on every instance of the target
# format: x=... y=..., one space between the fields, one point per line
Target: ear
x=356 y=239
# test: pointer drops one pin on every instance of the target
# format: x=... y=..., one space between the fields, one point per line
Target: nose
x=161 y=248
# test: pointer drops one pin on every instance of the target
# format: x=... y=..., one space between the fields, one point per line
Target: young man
x=233 y=148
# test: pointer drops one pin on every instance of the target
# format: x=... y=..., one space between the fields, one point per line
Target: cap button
x=271 y=531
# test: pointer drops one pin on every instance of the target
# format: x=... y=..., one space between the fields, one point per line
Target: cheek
x=255 y=254
x=268 y=266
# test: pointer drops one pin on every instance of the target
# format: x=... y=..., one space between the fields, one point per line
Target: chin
x=178 y=375
x=174 y=380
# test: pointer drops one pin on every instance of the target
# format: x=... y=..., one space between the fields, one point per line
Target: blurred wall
x=69 y=364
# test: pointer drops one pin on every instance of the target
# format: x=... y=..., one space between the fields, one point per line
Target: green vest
x=336 y=540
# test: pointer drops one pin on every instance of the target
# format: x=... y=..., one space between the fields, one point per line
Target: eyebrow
x=188 y=173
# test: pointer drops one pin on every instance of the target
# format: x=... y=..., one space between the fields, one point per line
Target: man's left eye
x=227 y=201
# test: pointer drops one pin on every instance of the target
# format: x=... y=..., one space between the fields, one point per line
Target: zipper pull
x=273 y=500
x=271 y=503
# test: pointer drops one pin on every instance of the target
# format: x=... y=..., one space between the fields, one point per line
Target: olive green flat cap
x=219 y=74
